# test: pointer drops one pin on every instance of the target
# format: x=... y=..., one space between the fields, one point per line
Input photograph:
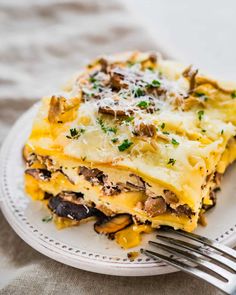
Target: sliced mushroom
x=134 y=188
x=137 y=183
x=70 y=210
x=39 y=174
x=113 y=224
x=184 y=210
x=28 y=156
x=204 y=80
x=47 y=196
x=114 y=111
x=155 y=206
x=156 y=91
x=59 y=105
x=48 y=162
x=95 y=176
x=117 y=79
x=190 y=74
x=56 y=108
x=104 y=64
x=153 y=57
x=170 y=197
x=212 y=197
x=143 y=129
x=73 y=197
x=217 y=179
x=110 y=189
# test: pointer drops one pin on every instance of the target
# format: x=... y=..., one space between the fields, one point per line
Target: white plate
x=80 y=246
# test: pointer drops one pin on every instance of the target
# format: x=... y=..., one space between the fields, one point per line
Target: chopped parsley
x=101 y=123
x=112 y=129
x=125 y=145
x=174 y=142
x=143 y=104
x=199 y=94
x=96 y=86
x=151 y=69
x=106 y=129
x=114 y=140
x=222 y=131
x=138 y=92
x=92 y=79
x=75 y=133
x=47 y=218
x=171 y=161
x=165 y=132
x=163 y=125
x=129 y=119
x=203 y=130
x=154 y=83
x=233 y=94
x=200 y=114
x=130 y=63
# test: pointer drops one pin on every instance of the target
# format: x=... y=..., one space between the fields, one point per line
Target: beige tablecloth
x=42 y=44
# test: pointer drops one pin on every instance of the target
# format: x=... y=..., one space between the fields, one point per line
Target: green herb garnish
x=151 y=69
x=47 y=218
x=92 y=79
x=171 y=161
x=125 y=145
x=114 y=140
x=174 y=142
x=233 y=94
x=75 y=133
x=199 y=94
x=143 y=104
x=200 y=114
x=138 y=92
x=129 y=119
x=203 y=130
x=154 y=83
x=163 y=125
x=112 y=129
x=130 y=63
x=106 y=129
x=222 y=131
x=165 y=132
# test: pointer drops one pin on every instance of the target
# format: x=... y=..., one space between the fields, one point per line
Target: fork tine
x=188 y=269
x=219 y=247
x=224 y=274
x=229 y=264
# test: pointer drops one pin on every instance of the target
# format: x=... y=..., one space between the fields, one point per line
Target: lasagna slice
x=135 y=142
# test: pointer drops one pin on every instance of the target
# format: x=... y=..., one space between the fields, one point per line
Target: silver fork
x=203 y=259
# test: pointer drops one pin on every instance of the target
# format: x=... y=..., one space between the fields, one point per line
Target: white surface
x=80 y=246
x=196 y=32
